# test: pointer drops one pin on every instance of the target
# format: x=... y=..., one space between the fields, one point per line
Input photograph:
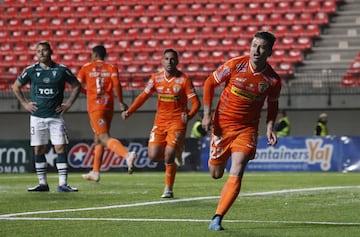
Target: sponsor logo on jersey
x=244 y=94
x=167 y=98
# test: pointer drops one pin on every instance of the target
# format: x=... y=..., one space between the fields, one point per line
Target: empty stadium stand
x=205 y=33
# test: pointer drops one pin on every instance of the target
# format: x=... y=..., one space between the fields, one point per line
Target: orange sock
x=116 y=146
x=229 y=194
x=99 y=150
x=170 y=172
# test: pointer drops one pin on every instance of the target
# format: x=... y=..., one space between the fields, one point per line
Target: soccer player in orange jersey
x=100 y=79
x=249 y=81
x=174 y=89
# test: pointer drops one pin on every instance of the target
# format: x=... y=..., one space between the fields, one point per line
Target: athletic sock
x=116 y=146
x=40 y=168
x=229 y=194
x=99 y=150
x=170 y=173
x=62 y=166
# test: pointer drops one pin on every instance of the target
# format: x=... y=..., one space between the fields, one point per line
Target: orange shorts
x=100 y=121
x=172 y=135
x=221 y=147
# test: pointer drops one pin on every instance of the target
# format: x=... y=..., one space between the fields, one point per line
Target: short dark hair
x=265 y=35
x=100 y=50
x=46 y=44
x=169 y=50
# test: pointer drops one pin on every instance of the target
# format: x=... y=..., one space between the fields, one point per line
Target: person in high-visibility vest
x=197 y=130
x=321 y=125
x=282 y=127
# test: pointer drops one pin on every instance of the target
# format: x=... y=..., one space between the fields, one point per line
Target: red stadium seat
x=190 y=32
x=123 y=45
x=303 y=43
x=312 y=30
x=137 y=45
x=89 y=34
x=320 y=18
x=56 y=23
x=294 y=56
x=40 y=11
x=60 y=35
x=152 y=10
x=275 y=19
x=268 y=7
x=158 y=21
x=223 y=8
x=328 y=6
x=187 y=57
x=215 y=20
x=71 y=23
x=103 y=34
x=305 y=18
x=298 y=7
x=25 y=12
x=283 y=7
x=167 y=10
x=118 y=34
x=238 y=8
x=313 y=6
x=296 y=30
x=176 y=33
x=355 y=66
x=16 y=36
x=109 y=11
x=210 y=8
x=348 y=81
x=289 y=18
x=278 y=55
x=182 y=44
x=9 y=60
x=151 y=45
x=54 y=10
x=42 y=24
x=14 y=24
x=74 y=35
x=230 y=20
x=196 y=9
x=281 y=30
x=67 y=11
x=254 y=7
x=99 y=23
x=147 y=33
x=11 y=12
x=227 y=44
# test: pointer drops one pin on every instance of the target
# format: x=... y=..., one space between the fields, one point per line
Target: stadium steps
x=339 y=42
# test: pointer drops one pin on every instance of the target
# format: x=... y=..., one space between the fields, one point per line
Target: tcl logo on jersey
x=46 y=91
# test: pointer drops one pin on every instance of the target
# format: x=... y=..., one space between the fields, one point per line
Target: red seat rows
x=100 y=8
x=352 y=75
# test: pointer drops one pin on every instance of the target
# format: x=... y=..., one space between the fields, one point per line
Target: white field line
x=14 y=216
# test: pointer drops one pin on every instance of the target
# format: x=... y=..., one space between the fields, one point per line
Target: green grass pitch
x=271 y=204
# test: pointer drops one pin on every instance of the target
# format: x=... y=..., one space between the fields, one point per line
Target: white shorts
x=43 y=129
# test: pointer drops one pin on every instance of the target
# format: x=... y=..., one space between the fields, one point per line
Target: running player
x=249 y=80
x=100 y=79
x=174 y=90
x=47 y=83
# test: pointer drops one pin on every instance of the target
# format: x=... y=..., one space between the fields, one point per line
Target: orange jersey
x=243 y=97
x=173 y=96
x=100 y=79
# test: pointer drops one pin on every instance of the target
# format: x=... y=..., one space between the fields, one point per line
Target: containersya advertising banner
x=303 y=154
